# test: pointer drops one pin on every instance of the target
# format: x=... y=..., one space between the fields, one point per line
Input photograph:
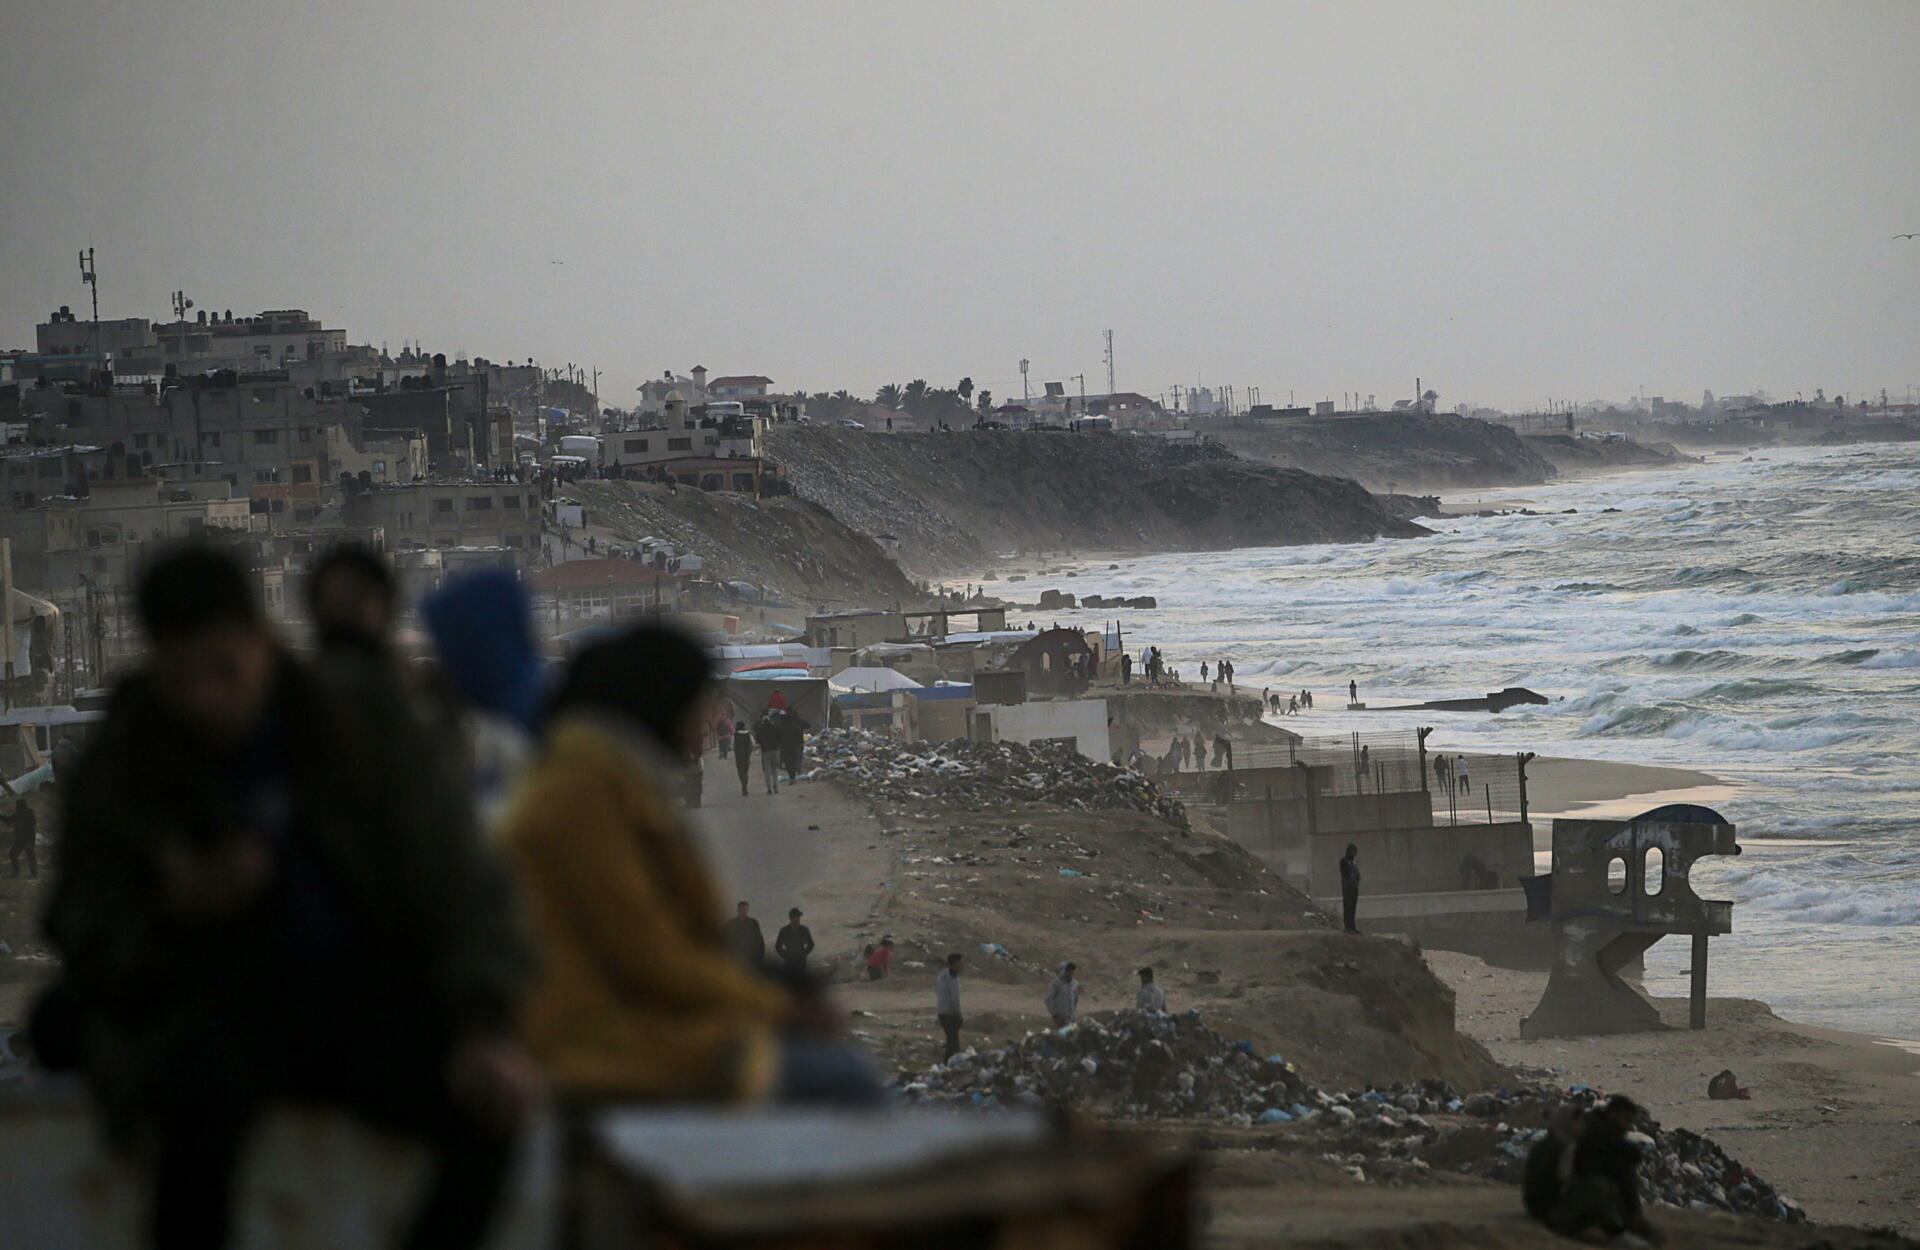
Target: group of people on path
x=779 y=737
x=1297 y=702
x=264 y=856
x=1061 y=1001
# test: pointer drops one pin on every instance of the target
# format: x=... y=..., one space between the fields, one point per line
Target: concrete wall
x=1403 y=861
x=1359 y=812
x=1083 y=720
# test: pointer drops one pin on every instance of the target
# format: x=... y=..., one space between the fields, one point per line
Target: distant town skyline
x=1513 y=201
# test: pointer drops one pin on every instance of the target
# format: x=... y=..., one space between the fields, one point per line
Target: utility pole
x=1082 y=379
x=1109 y=362
x=1025 y=397
x=91 y=277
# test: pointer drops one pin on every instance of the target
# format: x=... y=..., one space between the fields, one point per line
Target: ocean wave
x=1892 y=659
x=1785 y=734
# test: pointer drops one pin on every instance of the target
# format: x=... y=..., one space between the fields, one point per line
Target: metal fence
x=1392 y=764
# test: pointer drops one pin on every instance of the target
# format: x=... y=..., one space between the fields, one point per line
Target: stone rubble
x=984 y=774
x=1146 y=1066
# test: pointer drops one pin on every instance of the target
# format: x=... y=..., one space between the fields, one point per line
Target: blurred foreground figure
x=270 y=891
x=1585 y=1174
x=482 y=629
x=640 y=995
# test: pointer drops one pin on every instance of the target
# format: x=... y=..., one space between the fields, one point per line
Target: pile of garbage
x=984 y=774
x=1148 y=1066
x=1137 y=1066
x=1680 y=1168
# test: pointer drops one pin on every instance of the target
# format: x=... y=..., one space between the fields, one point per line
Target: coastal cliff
x=953 y=499
x=1397 y=451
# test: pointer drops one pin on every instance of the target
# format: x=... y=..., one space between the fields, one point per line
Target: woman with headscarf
x=639 y=997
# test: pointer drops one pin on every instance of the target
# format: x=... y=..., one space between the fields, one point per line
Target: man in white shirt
x=946 y=1004
x=1063 y=997
x=1150 y=997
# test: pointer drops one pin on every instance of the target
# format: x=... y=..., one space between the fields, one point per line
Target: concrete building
x=1079 y=723
x=856 y=627
x=583 y=591
x=744 y=386
x=452 y=514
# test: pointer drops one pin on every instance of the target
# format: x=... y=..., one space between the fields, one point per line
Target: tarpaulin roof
x=869 y=679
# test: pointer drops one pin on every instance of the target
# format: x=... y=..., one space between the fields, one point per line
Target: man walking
x=946 y=1004
x=742 y=754
x=793 y=944
x=744 y=938
x=1462 y=782
x=1350 y=887
x=766 y=736
x=26 y=837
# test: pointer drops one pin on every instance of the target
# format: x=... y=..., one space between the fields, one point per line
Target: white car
x=851 y=424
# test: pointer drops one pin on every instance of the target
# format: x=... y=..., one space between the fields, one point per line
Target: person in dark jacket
x=793 y=944
x=26 y=837
x=259 y=875
x=742 y=753
x=744 y=938
x=793 y=742
x=1350 y=887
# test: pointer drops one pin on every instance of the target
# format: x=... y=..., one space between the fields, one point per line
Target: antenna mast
x=1109 y=362
x=92 y=279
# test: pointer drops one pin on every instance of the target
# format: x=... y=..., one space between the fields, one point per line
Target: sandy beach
x=1834 y=1120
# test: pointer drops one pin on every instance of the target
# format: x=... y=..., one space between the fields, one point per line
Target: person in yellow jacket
x=639 y=998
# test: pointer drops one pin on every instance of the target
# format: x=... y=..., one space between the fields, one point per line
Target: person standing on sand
x=742 y=754
x=1365 y=753
x=1465 y=784
x=1350 y=888
x=1293 y=705
x=946 y=1004
x=880 y=960
x=794 y=943
x=1203 y=670
x=1149 y=997
x=1353 y=692
x=1126 y=670
x=1063 y=997
x=1441 y=774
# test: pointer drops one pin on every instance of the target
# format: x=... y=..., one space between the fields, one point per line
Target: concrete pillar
x=1697 y=999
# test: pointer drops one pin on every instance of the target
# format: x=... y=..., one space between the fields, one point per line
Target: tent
x=871 y=679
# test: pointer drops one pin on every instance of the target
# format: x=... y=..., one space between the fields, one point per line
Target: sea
x=1755 y=616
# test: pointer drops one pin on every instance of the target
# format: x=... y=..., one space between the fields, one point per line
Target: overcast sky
x=1513 y=201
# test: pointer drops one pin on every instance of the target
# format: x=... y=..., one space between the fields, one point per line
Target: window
x=510 y=501
x=139 y=440
x=479 y=503
x=379 y=468
x=262 y=437
x=636 y=444
x=277 y=505
x=1653 y=870
x=680 y=444
x=306 y=434
x=302 y=473
x=1617 y=875
x=263 y=475
x=443 y=505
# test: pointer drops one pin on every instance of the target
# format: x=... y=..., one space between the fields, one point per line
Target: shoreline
x=1852 y=1098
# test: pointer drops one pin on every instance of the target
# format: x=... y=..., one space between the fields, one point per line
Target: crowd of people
x=1061 y=1002
x=430 y=897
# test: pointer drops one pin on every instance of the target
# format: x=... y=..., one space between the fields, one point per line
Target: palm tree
x=965 y=391
x=888 y=396
x=986 y=402
x=914 y=397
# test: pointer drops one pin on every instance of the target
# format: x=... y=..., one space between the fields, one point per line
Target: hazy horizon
x=1510 y=201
